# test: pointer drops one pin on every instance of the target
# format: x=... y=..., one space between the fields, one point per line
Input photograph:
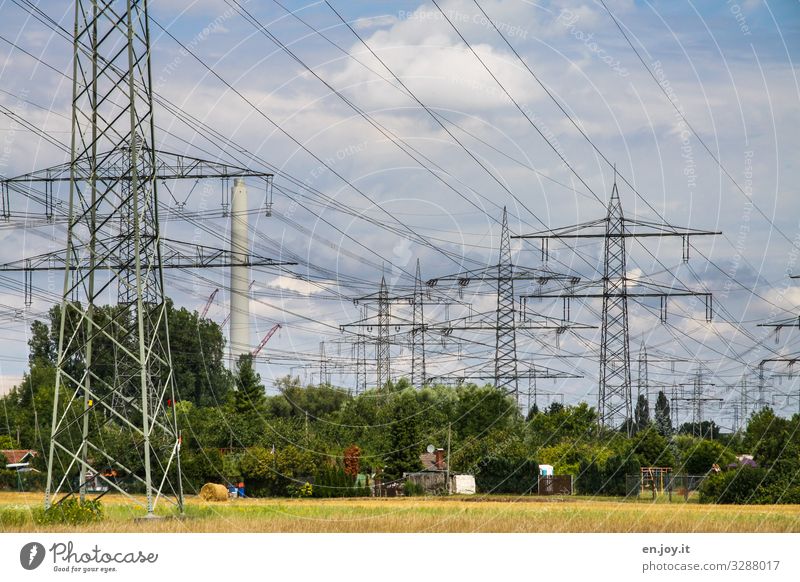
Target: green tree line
x=233 y=430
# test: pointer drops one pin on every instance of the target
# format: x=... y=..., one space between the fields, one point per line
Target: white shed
x=546 y=470
x=462 y=484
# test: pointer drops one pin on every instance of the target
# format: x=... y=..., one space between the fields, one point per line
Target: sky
x=695 y=104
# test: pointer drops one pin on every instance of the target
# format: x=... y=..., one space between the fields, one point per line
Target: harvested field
x=419 y=514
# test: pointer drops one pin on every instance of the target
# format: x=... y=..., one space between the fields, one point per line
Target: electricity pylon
x=614 y=393
x=383 y=323
x=506 y=321
x=418 y=373
x=505 y=361
x=114 y=424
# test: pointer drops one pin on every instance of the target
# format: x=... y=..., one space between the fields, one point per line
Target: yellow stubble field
x=417 y=514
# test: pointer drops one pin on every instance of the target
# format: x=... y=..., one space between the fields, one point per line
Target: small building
x=462 y=484
x=433 y=476
x=546 y=470
x=19 y=459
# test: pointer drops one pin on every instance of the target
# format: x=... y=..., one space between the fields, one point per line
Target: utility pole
x=113 y=227
x=418 y=374
x=615 y=288
x=385 y=321
x=360 y=347
x=506 y=321
x=132 y=200
x=447 y=477
x=505 y=361
x=382 y=356
x=324 y=377
x=697 y=400
x=642 y=386
x=792 y=322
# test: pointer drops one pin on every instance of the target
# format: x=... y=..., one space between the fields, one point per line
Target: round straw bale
x=213 y=492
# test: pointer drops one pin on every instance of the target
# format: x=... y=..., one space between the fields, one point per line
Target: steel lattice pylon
x=615 y=289
x=418 y=374
x=382 y=348
x=505 y=362
x=360 y=350
x=643 y=383
x=614 y=399
x=112 y=112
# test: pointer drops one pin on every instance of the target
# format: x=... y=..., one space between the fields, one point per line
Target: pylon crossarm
x=580 y=230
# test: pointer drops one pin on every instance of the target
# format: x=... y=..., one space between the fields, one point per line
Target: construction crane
x=264 y=341
x=208 y=303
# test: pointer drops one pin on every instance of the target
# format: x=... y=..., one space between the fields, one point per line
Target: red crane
x=208 y=303
x=264 y=341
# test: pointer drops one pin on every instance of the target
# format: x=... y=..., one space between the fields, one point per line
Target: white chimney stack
x=239 y=274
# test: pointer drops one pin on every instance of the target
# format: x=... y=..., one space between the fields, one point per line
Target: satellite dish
x=430 y=448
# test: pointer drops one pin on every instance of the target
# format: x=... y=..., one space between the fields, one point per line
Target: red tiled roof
x=16 y=455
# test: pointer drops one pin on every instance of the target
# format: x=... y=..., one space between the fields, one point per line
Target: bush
x=15 y=516
x=606 y=476
x=412 y=489
x=737 y=486
x=334 y=482
x=29 y=480
x=304 y=490
x=698 y=455
x=506 y=475
x=754 y=485
x=71 y=511
x=8 y=479
x=266 y=473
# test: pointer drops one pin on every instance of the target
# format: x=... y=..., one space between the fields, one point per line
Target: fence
x=554 y=485
x=679 y=485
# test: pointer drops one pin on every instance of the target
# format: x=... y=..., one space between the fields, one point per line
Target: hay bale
x=213 y=492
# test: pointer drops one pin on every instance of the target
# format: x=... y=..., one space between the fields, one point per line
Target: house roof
x=429 y=462
x=14 y=456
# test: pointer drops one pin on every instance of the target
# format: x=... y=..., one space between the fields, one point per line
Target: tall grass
x=418 y=515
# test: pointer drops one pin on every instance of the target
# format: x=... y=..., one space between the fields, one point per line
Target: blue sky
x=729 y=67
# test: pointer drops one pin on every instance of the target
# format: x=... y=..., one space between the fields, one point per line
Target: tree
x=198 y=358
x=197 y=348
x=767 y=436
x=297 y=401
x=698 y=455
x=249 y=389
x=481 y=407
x=562 y=422
x=352 y=460
x=662 y=415
x=652 y=449
x=42 y=349
x=404 y=437
x=642 y=413
x=705 y=429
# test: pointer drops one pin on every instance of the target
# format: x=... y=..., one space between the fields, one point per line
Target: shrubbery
x=334 y=482
x=29 y=480
x=753 y=485
x=506 y=475
x=71 y=512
